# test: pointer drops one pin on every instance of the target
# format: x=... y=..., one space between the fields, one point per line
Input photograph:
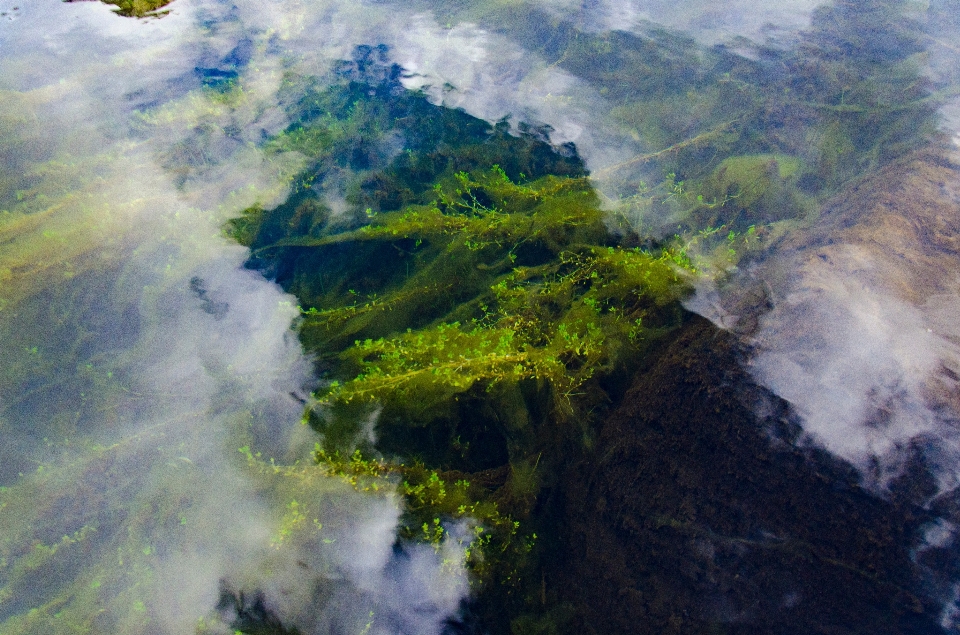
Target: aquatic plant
x=542 y=300
x=540 y=304
x=497 y=545
x=558 y=323
x=137 y=8
x=848 y=97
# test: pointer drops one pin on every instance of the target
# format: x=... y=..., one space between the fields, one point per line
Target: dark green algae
x=654 y=498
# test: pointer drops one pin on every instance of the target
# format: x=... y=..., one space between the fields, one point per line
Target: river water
x=151 y=387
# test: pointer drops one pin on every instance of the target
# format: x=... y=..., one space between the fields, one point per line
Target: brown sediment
x=694 y=515
x=904 y=219
x=893 y=236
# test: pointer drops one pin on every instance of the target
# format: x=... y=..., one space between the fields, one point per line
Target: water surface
x=155 y=477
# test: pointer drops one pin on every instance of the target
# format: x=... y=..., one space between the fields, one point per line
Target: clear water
x=148 y=380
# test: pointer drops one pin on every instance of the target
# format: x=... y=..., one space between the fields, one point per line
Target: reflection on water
x=153 y=478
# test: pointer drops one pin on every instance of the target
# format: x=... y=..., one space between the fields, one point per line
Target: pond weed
x=137 y=8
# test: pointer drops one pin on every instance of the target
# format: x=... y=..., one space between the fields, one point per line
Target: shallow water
x=151 y=389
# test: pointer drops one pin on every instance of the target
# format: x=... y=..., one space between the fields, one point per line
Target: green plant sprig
x=516 y=214
x=520 y=336
x=431 y=502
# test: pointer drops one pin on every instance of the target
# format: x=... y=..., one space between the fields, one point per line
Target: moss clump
x=137 y=8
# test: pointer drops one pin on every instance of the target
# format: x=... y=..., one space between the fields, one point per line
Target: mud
x=694 y=515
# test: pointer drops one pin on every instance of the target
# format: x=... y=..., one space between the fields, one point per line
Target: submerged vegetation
x=137 y=8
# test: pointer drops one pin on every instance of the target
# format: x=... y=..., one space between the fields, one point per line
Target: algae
x=496 y=274
x=137 y=8
x=848 y=96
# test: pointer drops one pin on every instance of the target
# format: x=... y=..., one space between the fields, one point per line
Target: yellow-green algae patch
x=469 y=302
x=137 y=8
